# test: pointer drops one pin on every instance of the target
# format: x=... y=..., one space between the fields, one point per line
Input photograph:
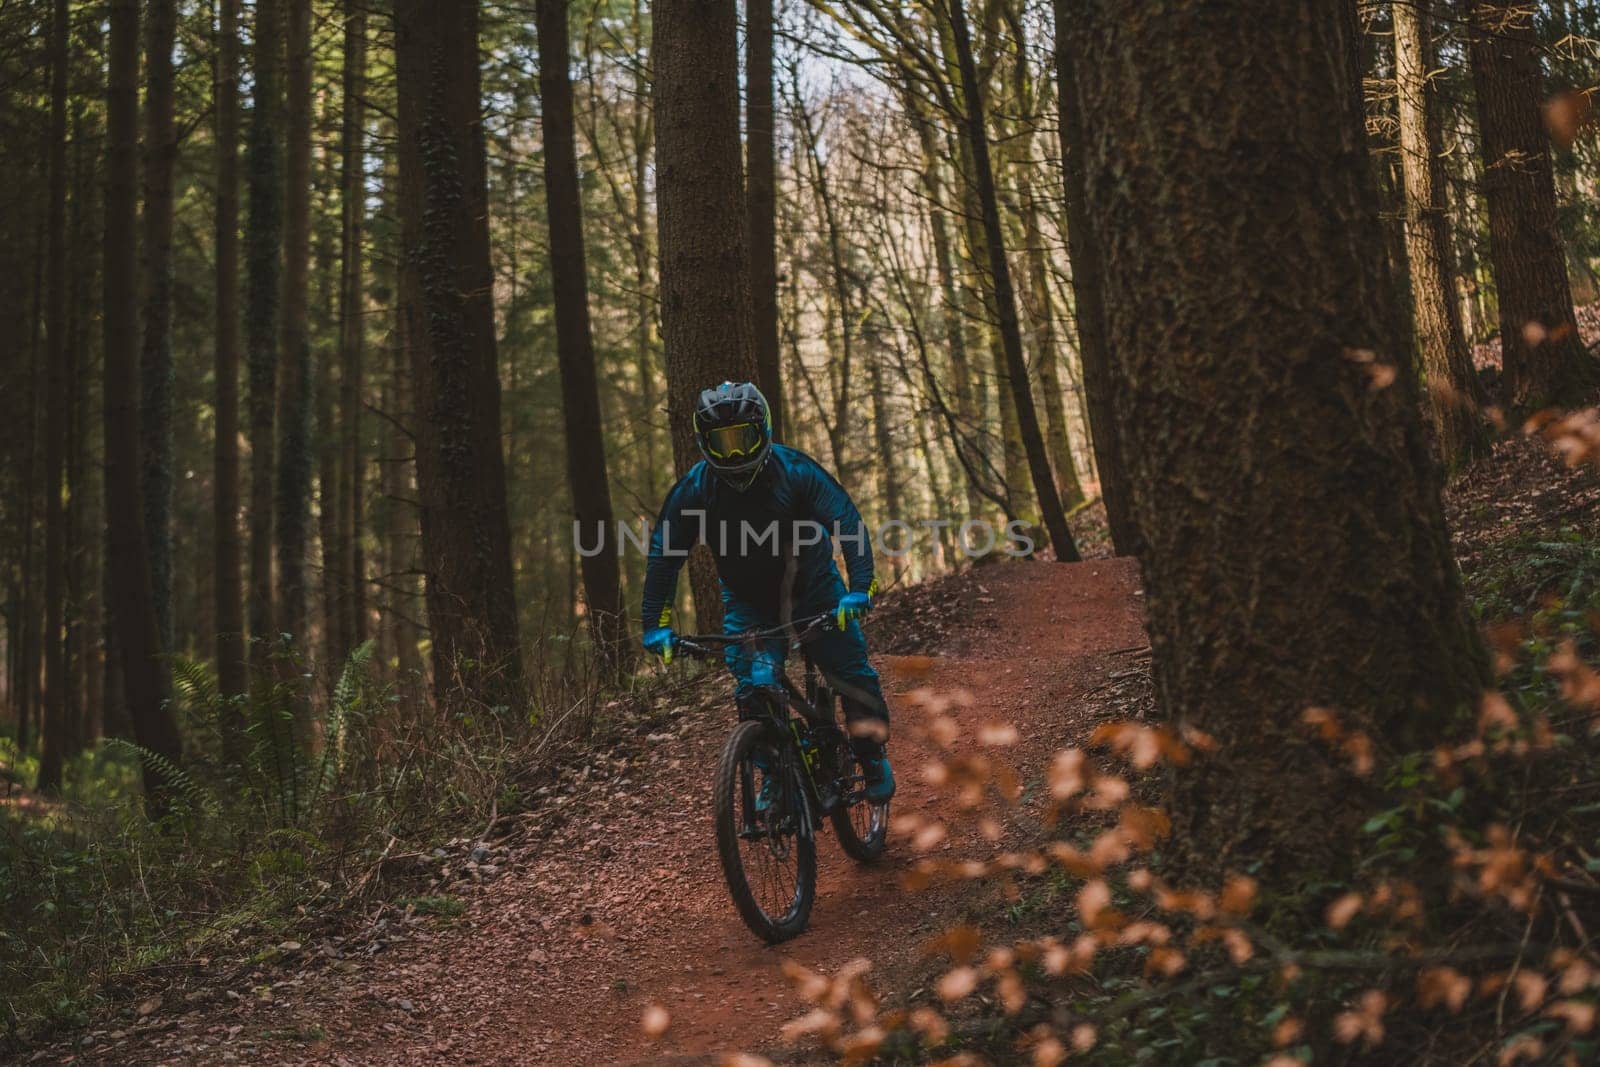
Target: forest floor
x=616 y=901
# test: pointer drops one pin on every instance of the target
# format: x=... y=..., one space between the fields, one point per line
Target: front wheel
x=769 y=864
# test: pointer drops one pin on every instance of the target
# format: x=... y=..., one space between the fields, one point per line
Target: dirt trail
x=556 y=962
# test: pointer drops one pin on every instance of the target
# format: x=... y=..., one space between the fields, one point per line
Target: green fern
x=346 y=699
x=180 y=781
x=196 y=683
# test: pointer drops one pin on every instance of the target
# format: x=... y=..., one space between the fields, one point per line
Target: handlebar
x=798 y=631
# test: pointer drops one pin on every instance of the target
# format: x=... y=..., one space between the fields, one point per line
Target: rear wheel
x=770 y=866
x=861 y=825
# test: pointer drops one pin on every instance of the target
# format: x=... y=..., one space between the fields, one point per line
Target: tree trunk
x=645 y=307
x=329 y=444
x=448 y=285
x=1544 y=359
x=983 y=310
x=761 y=204
x=1037 y=299
x=1058 y=434
x=350 y=583
x=156 y=375
x=55 y=730
x=838 y=369
x=397 y=521
x=580 y=393
x=31 y=628
x=887 y=463
x=1294 y=546
x=133 y=608
x=263 y=264
x=1055 y=519
x=1083 y=253
x=293 y=497
x=82 y=513
x=950 y=312
x=232 y=666
x=706 y=320
x=1452 y=383
x=394 y=515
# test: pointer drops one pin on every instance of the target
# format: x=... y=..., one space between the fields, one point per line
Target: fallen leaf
x=655 y=1021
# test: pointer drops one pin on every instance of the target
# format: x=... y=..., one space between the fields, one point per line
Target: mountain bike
x=786 y=767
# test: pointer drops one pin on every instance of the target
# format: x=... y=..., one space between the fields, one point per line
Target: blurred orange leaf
x=655 y=1021
x=1238 y=895
x=957 y=983
x=1342 y=910
x=1566 y=115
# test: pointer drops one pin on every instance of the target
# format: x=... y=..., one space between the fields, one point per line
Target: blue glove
x=853 y=606
x=661 y=641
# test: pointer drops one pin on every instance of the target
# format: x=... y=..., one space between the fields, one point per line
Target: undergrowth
x=1466 y=934
x=99 y=906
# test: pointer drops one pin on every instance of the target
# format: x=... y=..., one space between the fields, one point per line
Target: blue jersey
x=776 y=535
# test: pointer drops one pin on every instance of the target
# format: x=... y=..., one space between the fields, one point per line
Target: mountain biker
x=770 y=515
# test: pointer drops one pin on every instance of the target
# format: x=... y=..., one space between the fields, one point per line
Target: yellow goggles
x=734 y=442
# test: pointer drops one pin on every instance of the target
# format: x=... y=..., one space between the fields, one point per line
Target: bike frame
x=783 y=697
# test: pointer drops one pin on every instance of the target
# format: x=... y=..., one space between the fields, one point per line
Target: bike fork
x=794 y=777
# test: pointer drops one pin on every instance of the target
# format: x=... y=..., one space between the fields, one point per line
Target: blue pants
x=841 y=656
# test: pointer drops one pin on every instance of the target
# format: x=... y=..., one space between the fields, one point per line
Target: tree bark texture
x=1295 y=551
x=706 y=320
x=133 y=608
x=1457 y=397
x=448 y=299
x=156 y=374
x=233 y=677
x=580 y=392
x=82 y=516
x=1543 y=358
x=293 y=493
x=348 y=615
x=56 y=730
x=263 y=267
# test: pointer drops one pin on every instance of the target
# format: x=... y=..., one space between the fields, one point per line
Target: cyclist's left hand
x=853 y=606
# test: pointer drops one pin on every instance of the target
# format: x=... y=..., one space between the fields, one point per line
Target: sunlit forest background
x=881 y=302
x=887 y=336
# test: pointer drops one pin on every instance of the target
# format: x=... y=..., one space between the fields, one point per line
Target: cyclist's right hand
x=661 y=641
